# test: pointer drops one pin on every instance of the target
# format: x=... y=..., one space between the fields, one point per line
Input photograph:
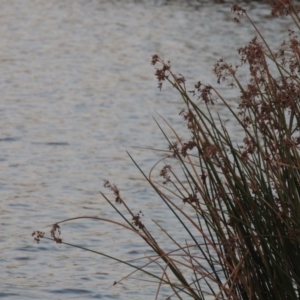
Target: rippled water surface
x=77 y=91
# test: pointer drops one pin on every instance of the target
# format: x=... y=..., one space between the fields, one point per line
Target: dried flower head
x=173 y=147
x=239 y=11
x=164 y=173
x=225 y=72
x=136 y=220
x=188 y=146
x=204 y=92
x=282 y=7
x=115 y=190
x=55 y=233
x=191 y=198
x=38 y=235
x=209 y=150
x=162 y=69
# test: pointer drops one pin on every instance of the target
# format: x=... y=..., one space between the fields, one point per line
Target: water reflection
x=77 y=91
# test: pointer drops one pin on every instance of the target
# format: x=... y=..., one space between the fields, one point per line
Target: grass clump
x=243 y=198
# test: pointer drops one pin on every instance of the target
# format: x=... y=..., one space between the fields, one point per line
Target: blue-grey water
x=76 y=92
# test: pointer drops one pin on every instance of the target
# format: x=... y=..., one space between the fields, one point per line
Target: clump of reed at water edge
x=245 y=197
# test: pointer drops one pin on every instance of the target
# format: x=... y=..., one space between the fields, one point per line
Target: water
x=77 y=91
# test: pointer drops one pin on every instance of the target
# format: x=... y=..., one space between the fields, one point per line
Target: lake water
x=77 y=92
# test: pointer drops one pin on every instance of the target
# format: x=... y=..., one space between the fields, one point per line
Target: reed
x=244 y=197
